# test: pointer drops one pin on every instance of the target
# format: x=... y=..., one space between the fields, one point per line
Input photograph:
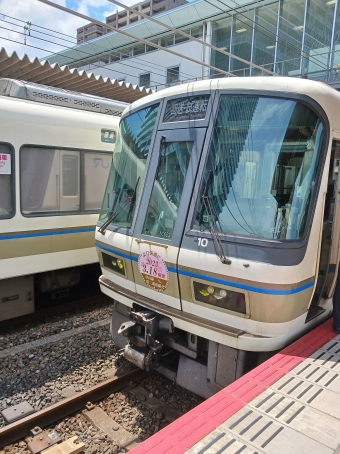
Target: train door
x=160 y=224
x=330 y=241
x=69 y=174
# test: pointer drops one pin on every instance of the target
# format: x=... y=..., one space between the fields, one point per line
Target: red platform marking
x=188 y=430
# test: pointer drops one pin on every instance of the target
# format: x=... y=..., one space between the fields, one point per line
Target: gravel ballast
x=44 y=362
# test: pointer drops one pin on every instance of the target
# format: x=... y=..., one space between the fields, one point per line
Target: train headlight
x=113 y=263
x=120 y=264
x=219 y=297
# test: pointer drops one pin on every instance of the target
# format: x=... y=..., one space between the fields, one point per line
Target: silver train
x=55 y=154
x=218 y=236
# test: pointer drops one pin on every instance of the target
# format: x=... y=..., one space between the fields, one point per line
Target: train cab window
x=62 y=181
x=128 y=167
x=6 y=182
x=261 y=168
x=167 y=190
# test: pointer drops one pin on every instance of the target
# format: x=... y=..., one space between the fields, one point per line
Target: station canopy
x=70 y=79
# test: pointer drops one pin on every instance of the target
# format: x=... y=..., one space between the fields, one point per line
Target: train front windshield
x=260 y=171
x=128 y=166
x=261 y=167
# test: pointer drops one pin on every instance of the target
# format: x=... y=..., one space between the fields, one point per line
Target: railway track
x=59 y=364
x=49 y=416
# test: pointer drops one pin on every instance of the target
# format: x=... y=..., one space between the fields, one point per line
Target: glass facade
x=290 y=37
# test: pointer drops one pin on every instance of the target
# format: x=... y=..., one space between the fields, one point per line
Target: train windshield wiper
x=113 y=216
x=133 y=200
x=206 y=206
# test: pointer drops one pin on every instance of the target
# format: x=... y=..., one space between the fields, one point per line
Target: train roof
x=318 y=91
x=31 y=91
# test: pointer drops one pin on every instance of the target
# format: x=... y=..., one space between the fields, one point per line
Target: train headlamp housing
x=221 y=298
x=113 y=263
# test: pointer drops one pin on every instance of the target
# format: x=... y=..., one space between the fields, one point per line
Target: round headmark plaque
x=153 y=270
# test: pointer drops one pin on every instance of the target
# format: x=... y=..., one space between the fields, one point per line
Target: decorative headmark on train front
x=153 y=270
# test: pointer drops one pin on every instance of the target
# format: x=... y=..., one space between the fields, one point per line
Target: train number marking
x=202 y=242
x=98 y=161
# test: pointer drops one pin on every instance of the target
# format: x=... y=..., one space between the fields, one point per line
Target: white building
x=288 y=37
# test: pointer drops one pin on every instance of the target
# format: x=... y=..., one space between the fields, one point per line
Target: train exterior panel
x=222 y=240
x=51 y=189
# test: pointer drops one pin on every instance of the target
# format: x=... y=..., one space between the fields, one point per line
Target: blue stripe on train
x=220 y=281
x=34 y=235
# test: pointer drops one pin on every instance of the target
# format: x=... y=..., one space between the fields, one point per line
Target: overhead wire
x=190 y=37
x=300 y=51
x=285 y=20
x=190 y=76
x=43 y=33
x=126 y=98
x=156 y=84
x=133 y=37
x=36 y=25
x=193 y=77
x=277 y=37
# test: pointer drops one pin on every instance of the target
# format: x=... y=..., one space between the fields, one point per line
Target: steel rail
x=50 y=415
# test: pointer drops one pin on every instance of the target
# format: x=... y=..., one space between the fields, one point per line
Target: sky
x=14 y=15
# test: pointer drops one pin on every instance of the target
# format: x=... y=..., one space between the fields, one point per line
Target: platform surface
x=288 y=404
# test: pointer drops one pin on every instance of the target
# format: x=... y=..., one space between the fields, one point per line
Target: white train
x=55 y=153
x=219 y=231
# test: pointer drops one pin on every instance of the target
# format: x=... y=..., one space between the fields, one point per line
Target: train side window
x=62 y=181
x=70 y=164
x=47 y=184
x=96 y=172
x=6 y=182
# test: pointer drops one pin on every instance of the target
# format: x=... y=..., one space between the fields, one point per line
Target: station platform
x=288 y=404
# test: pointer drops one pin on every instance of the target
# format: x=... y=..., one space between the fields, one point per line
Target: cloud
x=87 y=6
x=40 y=15
x=40 y=44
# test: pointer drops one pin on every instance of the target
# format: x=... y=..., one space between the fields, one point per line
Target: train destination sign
x=5 y=164
x=153 y=270
x=183 y=109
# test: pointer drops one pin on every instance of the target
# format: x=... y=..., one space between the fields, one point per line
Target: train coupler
x=143 y=348
x=145 y=358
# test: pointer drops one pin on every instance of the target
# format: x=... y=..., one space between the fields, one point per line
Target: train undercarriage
x=151 y=342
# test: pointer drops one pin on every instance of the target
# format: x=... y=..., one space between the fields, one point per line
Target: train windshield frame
x=261 y=168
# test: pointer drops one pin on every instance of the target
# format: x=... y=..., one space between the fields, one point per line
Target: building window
x=138 y=50
x=197 y=32
x=126 y=53
x=172 y=75
x=167 y=41
x=181 y=38
x=151 y=48
x=144 y=80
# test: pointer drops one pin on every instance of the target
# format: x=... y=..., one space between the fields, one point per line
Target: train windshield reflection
x=263 y=157
x=128 y=167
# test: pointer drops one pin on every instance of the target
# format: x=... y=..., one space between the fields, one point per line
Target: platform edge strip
x=221 y=406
